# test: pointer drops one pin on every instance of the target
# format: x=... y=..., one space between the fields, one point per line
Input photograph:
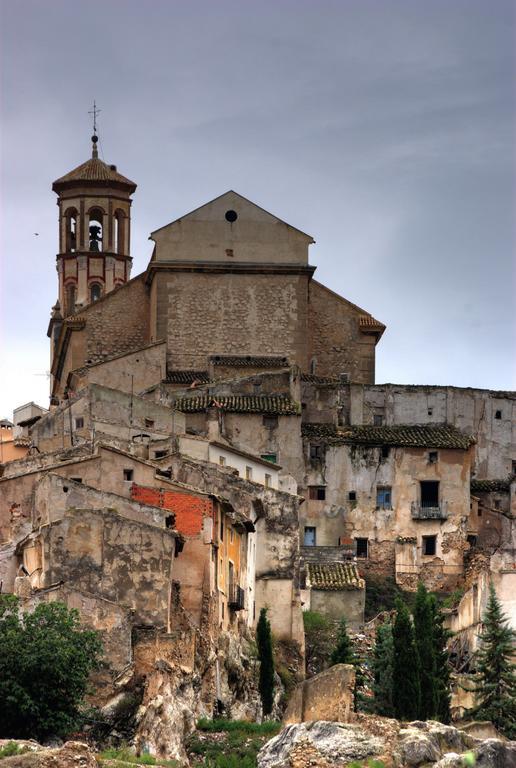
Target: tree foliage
x=265 y=655
x=382 y=667
x=405 y=680
x=45 y=662
x=343 y=653
x=425 y=644
x=496 y=677
x=318 y=640
x=440 y=637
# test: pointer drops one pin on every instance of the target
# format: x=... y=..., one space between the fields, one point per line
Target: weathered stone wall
x=473 y=411
x=337 y=604
x=202 y=314
x=336 y=342
x=327 y=696
x=131 y=372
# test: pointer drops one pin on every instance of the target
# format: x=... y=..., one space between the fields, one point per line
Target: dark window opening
x=159 y=454
x=76 y=479
x=433 y=457
x=429 y=493
x=479 y=511
x=95 y=291
x=221 y=529
x=430 y=411
x=317 y=492
x=352 y=495
x=95 y=229
x=514 y=467
x=310 y=536
x=79 y=422
x=498 y=415
x=128 y=475
x=377 y=420
x=315 y=451
x=429 y=545
x=169 y=521
x=361 y=547
x=271 y=422
x=497 y=503
x=472 y=540
x=149 y=422
x=272 y=457
x=385 y=451
x=383 y=497
x=231 y=216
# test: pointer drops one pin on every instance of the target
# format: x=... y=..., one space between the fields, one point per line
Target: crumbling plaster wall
x=131 y=372
x=362 y=469
x=473 y=411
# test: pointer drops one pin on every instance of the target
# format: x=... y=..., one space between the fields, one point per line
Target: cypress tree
x=442 y=668
x=424 y=636
x=383 y=659
x=343 y=653
x=406 y=691
x=496 y=692
x=264 y=644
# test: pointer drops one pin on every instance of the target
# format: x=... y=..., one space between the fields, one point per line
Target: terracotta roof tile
x=94 y=170
x=371 y=323
x=333 y=577
x=409 y=435
x=187 y=377
x=311 y=378
x=245 y=361
x=491 y=486
x=280 y=405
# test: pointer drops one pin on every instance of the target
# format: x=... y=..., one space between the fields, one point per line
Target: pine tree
x=440 y=637
x=406 y=692
x=343 y=653
x=496 y=692
x=264 y=644
x=383 y=660
x=424 y=636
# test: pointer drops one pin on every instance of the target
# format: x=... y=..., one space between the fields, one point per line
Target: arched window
x=95 y=291
x=313 y=364
x=71 y=230
x=118 y=231
x=71 y=294
x=95 y=229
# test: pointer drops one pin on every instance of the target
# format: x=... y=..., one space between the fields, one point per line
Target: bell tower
x=94 y=203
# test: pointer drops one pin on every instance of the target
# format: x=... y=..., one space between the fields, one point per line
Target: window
x=317 y=492
x=429 y=545
x=159 y=454
x=514 y=467
x=383 y=497
x=309 y=539
x=429 y=493
x=248 y=473
x=352 y=495
x=76 y=479
x=472 y=540
x=79 y=422
x=272 y=457
x=95 y=291
x=315 y=451
x=361 y=547
x=433 y=457
x=498 y=415
x=385 y=451
x=222 y=461
x=268 y=479
x=149 y=422
x=169 y=521
x=377 y=419
x=271 y=422
x=497 y=503
x=128 y=475
x=313 y=365
x=430 y=411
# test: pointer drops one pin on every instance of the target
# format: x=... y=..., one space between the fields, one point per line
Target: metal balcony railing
x=426 y=511
x=236 y=598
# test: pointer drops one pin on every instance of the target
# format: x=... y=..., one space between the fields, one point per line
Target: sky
x=384 y=128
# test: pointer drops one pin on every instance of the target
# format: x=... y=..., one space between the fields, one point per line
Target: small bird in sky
x=36 y=234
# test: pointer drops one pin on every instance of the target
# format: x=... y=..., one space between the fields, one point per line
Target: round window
x=231 y=216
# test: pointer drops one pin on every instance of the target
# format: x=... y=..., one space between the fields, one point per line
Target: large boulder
x=326 y=696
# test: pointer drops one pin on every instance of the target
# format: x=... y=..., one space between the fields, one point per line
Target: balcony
x=236 y=598
x=429 y=511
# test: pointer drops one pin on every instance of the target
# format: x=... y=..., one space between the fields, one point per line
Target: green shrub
x=11 y=749
x=45 y=661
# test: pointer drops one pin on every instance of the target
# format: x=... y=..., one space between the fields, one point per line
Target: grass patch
x=124 y=756
x=268 y=728
x=11 y=749
x=229 y=743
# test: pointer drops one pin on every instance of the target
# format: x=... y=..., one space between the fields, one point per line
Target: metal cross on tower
x=94 y=112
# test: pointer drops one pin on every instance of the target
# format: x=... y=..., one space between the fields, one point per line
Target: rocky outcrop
x=325 y=744
x=73 y=754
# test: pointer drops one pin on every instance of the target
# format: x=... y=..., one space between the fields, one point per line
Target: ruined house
x=219 y=413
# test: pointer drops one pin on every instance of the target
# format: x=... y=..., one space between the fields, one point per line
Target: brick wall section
x=118 y=323
x=189 y=510
x=336 y=341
